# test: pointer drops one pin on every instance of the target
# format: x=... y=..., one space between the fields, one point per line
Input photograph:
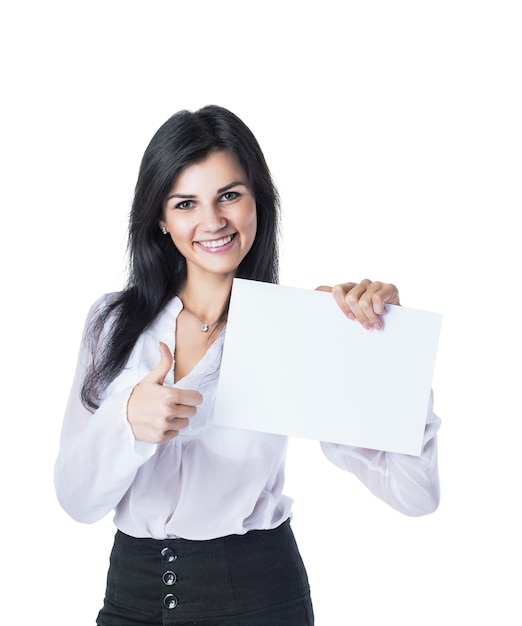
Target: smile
x=217 y=243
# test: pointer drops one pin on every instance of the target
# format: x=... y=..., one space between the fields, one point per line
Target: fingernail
x=378 y=326
x=366 y=325
x=350 y=316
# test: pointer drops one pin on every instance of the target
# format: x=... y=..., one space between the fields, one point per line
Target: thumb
x=324 y=288
x=162 y=368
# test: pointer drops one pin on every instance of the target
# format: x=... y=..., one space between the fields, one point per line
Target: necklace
x=204 y=326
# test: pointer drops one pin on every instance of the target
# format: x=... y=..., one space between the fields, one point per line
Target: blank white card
x=293 y=364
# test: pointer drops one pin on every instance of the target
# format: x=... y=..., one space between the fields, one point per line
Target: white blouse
x=209 y=481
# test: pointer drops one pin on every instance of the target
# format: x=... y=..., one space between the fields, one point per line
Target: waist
x=206 y=577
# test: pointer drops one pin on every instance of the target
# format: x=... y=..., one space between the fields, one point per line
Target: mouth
x=214 y=244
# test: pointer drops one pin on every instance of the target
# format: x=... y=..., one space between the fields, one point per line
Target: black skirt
x=256 y=579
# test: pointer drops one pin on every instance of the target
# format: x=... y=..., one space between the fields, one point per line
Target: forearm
x=97 y=464
x=409 y=484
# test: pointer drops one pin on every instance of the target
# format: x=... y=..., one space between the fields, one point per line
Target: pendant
x=204 y=328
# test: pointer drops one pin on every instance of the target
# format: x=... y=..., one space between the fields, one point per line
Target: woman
x=203 y=527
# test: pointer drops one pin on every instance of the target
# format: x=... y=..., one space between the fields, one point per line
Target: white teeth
x=216 y=243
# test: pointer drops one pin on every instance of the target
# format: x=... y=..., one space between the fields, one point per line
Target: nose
x=212 y=220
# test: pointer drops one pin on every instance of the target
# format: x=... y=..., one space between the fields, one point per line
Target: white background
x=393 y=130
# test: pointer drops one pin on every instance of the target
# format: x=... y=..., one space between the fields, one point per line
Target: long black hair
x=157 y=270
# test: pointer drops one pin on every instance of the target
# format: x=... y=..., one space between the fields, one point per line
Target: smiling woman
x=203 y=526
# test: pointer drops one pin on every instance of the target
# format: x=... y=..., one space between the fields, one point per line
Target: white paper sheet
x=293 y=364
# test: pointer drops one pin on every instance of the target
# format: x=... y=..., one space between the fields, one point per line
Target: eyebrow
x=234 y=184
x=189 y=196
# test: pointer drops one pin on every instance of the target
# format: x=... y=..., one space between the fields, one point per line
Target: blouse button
x=168 y=555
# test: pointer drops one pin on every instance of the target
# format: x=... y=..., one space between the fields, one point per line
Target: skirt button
x=169 y=578
x=170 y=601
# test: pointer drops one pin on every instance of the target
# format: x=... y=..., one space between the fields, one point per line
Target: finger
x=184 y=397
x=368 y=301
x=339 y=293
x=179 y=423
x=358 y=300
x=161 y=437
x=389 y=295
x=172 y=433
x=352 y=295
x=157 y=375
x=374 y=299
x=180 y=411
x=323 y=288
x=371 y=304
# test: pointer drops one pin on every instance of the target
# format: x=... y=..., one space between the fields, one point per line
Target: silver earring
x=164 y=230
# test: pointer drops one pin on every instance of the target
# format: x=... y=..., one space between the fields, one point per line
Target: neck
x=206 y=297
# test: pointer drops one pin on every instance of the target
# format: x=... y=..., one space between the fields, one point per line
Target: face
x=210 y=213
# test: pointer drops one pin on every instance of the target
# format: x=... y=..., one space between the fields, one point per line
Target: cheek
x=180 y=230
x=251 y=223
x=251 y=232
x=181 y=241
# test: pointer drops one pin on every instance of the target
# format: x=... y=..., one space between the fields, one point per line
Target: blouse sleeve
x=98 y=455
x=410 y=484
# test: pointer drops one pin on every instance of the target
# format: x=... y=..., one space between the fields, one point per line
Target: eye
x=228 y=196
x=184 y=205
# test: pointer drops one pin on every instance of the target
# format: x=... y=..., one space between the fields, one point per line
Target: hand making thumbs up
x=157 y=413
